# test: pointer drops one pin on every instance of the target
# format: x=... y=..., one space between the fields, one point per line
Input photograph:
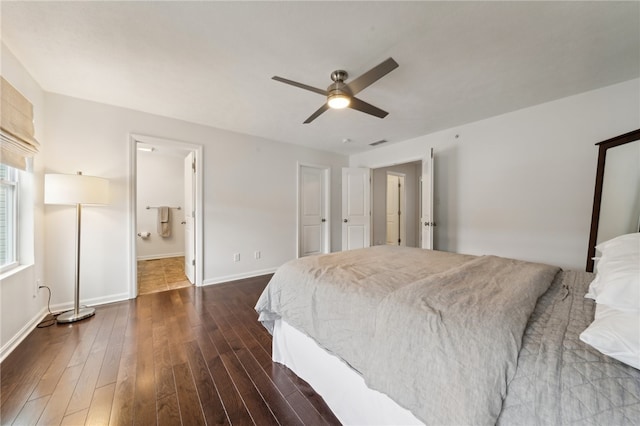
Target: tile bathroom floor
x=161 y=274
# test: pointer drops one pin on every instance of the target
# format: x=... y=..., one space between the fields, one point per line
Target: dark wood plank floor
x=188 y=356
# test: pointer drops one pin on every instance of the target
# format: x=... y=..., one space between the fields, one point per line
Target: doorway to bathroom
x=165 y=220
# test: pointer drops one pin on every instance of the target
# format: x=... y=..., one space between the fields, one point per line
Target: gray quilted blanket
x=561 y=380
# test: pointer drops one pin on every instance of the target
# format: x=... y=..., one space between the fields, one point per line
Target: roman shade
x=17 y=141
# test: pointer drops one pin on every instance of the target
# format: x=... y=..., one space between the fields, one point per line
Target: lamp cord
x=50 y=319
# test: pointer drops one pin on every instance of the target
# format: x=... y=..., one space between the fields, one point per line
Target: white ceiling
x=212 y=62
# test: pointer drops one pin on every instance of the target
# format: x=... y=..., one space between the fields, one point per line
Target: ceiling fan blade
x=300 y=85
x=316 y=114
x=373 y=75
x=362 y=106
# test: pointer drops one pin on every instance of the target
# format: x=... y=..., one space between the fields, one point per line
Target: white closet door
x=356 y=208
x=312 y=212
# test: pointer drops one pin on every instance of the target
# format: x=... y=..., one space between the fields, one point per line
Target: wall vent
x=380 y=142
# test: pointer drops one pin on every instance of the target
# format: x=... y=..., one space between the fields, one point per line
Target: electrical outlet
x=256 y=254
x=236 y=257
x=36 y=288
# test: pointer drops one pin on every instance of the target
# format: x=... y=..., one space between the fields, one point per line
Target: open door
x=189 y=216
x=356 y=208
x=427 y=221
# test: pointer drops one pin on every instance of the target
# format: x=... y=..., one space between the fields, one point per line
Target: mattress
x=341 y=387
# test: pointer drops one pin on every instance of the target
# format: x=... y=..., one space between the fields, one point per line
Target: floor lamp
x=76 y=190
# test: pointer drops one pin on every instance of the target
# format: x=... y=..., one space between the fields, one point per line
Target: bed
x=396 y=335
x=391 y=335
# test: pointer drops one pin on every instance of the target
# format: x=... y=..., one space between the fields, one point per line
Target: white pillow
x=615 y=333
x=622 y=245
x=617 y=282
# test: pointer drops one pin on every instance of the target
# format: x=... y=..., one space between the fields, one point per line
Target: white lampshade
x=75 y=189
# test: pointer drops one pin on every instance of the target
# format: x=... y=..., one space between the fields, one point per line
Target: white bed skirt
x=344 y=390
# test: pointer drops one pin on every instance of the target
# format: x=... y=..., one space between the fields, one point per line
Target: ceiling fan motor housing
x=339 y=87
x=338 y=93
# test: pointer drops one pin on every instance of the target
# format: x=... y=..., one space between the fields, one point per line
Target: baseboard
x=227 y=278
x=91 y=302
x=22 y=334
x=160 y=256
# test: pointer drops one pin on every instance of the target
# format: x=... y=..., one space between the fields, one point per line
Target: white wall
x=160 y=182
x=521 y=184
x=20 y=306
x=249 y=196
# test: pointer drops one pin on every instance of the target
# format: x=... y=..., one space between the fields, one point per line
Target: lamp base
x=71 y=316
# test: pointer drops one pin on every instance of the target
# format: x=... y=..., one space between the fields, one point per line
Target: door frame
x=134 y=139
x=422 y=160
x=326 y=176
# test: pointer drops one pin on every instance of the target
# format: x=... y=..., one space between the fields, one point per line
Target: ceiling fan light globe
x=338 y=101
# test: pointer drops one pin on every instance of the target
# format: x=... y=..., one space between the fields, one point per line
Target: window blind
x=17 y=141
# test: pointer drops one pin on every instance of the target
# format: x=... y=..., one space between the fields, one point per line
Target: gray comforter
x=415 y=323
x=562 y=381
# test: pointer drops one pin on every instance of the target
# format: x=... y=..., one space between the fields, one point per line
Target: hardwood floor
x=187 y=356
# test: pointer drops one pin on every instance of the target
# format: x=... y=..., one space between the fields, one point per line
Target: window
x=8 y=217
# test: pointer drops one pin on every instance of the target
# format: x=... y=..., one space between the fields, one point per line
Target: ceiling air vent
x=380 y=142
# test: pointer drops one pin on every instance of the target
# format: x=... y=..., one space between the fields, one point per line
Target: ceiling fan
x=342 y=95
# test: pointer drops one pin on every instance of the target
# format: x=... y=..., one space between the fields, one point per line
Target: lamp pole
x=77 y=314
